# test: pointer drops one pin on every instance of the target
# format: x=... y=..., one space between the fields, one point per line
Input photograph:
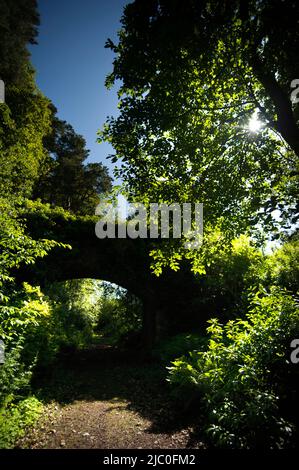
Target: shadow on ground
x=108 y=374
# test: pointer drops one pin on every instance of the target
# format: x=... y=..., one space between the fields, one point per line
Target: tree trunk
x=149 y=326
x=286 y=124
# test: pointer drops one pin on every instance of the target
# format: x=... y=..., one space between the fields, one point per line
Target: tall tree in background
x=67 y=181
x=40 y=155
x=194 y=74
x=19 y=20
x=25 y=116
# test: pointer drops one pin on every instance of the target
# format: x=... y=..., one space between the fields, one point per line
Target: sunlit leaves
x=239 y=375
x=185 y=106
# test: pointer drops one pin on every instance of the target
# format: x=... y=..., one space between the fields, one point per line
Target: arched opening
x=91 y=313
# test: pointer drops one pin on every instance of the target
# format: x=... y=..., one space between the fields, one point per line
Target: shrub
x=283 y=266
x=228 y=275
x=175 y=346
x=74 y=313
x=15 y=418
x=120 y=314
x=14 y=377
x=24 y=319
x=239 y=377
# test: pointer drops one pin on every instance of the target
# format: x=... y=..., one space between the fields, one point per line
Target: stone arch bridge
x=167 y=299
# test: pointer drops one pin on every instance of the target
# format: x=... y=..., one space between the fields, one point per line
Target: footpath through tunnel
x=100 y=391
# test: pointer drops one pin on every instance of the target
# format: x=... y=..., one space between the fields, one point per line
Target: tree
x=19 y=20
x=25 y=116
x=194 y=73
x=66 y=180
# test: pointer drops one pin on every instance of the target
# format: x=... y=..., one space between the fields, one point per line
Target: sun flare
x=254 y=124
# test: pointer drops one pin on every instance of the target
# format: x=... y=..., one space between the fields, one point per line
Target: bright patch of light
x=122 y=207
x=254 y=123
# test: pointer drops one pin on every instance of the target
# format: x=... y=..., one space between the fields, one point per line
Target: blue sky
x=71 y=64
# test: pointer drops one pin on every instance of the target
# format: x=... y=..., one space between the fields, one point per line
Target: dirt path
x=104 y=398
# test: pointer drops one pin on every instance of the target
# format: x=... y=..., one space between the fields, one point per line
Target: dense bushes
x=174 y=346
x=239 y=377
x=24 y=312
x=15 y=419
x=28 y=325
x=222 y=290
x=120 y=314
x=75 y=311
x=283 y=266
x=24 y=326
